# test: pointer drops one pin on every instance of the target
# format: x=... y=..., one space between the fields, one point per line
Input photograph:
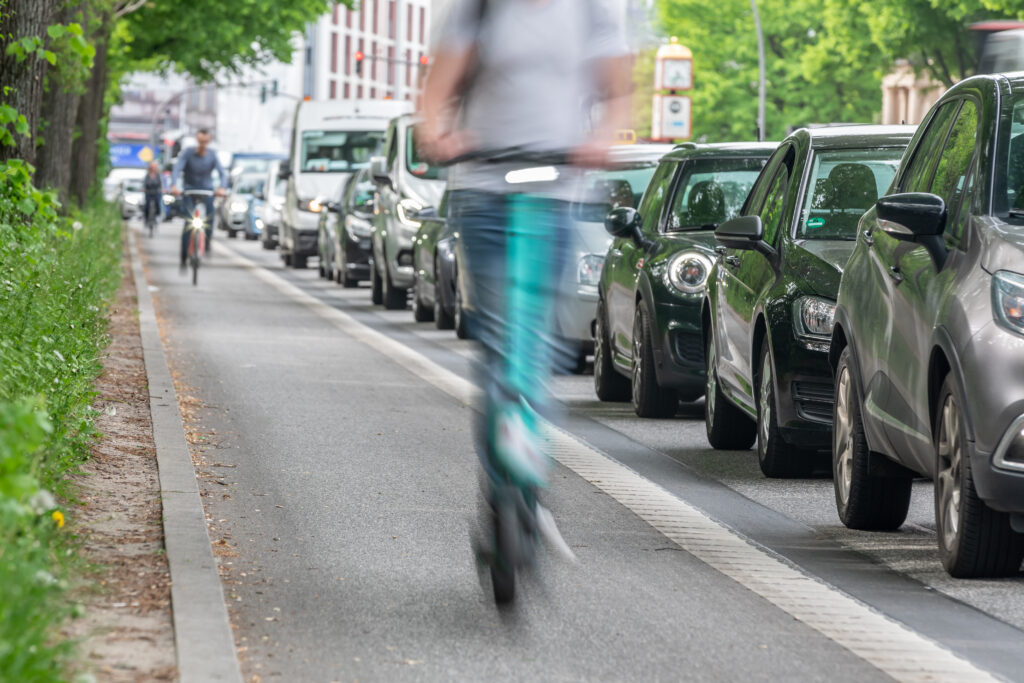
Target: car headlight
x=258 y=223
x=239 y=206
x=311 y=205
x=1008 y=300
x=688 y=272
x=131 y=199
x=406 y=209
x=813 y=320
x=588 y=270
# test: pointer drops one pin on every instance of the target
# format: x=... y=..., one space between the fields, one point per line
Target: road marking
x=894 y=649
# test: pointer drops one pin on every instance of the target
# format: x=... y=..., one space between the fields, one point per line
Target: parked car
x=131 y=196
x=235 y=213
x=271 y=203
x=331 y=140
x=648 y=328
x=600 y=192
x=435 y=262
x=929 y=336
x=771 y=294
x=406 y=186
x=345 y=232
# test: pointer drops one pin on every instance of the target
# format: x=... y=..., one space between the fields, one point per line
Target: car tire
x=232 y=233
x=321 y=271
x=394 y=299
x=459 y=315
x=421 y=313
x=609 y=385
x=376 y=287
x=649 y=398
x=863 y=501
x=728 y=428
x=286 y=257
x=974 y=540
x=777 y=459
x=299 y=262
x=268 y=245
x=443 y=320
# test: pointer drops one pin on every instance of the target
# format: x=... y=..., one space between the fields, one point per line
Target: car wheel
x=459 y=315
x=287 y=258
x=863 y=501
x=776 y=458
x=974 y=539
x=421 y=313
x=232 y=233
x=299 y=262
x=268 y=245
x=609 y=385
x=728 y=428
x=321 y=271
x=443 y=320
x=376 y=287
x=395 y=299
x=649 y=399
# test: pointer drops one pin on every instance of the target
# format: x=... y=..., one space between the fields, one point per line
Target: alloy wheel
x=949 y=476
x=637 y=374
x=765 y=400
x=842 y=435
x=711 y=383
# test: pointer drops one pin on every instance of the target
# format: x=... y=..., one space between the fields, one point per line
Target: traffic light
x=273 y=87
x=263 y=94
x=359 y=62
x=424 y=60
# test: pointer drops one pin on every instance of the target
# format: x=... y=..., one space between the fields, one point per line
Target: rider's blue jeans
x=189 y=204
x=511 y=254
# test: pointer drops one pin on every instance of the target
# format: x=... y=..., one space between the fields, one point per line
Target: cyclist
x=519 y=74
x=153 y=186
x=195 y=167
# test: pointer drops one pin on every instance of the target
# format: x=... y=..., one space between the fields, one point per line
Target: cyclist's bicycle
x=151 y=212
x=516 y=461
x=196 y=227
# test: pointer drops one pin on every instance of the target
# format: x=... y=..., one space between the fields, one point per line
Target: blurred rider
x=195 y=166
x=523 y=74
x=153 y=186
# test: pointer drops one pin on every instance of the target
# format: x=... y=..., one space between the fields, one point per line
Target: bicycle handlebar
x=198 y=193
x=512 y=155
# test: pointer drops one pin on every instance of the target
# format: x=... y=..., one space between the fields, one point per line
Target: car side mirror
x=284 y=171
x=744 y=232
x=915 y=217
x=333 y=207
x=911 y=215
x=379 y=171
x=624 y=222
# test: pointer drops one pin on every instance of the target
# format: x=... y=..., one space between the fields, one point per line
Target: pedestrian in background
x=543 y=77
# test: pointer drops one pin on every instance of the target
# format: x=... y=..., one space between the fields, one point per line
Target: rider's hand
x=176 y=192
x=438 y=147
x=220 y=192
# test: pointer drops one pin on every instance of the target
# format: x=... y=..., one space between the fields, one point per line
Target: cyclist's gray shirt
x=198 y=170
x=535 y=82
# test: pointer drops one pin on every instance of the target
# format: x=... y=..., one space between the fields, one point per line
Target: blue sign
x=123 y=155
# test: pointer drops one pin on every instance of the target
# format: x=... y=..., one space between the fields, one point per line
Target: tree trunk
x=85 y=154
x=53 y=158
x=23 y=81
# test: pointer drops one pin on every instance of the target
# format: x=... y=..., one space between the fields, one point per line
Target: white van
x=330 y=141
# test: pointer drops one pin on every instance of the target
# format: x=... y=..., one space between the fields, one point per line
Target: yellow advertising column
x=671 y=111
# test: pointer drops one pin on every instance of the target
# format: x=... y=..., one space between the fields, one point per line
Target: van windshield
x=337 y=151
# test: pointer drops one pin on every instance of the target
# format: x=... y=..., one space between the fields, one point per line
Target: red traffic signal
x=424 y=60
x=359 y=61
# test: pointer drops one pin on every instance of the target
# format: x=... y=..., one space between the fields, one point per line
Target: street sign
x=673 y=67
x=671 y=117
x=124 y=155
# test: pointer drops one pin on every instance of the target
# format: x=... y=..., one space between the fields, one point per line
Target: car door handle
x=868 y=239
x=733 y=261
x=896 y=274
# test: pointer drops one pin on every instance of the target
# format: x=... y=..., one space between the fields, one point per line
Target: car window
x=955 y=162
x=602 y=191
x=711 y=191
x=361 y=193
x=392 y=148
x=918 y=176
x=955 y=226
x=1014 y=149
x=654 y=196
x=775 y=199
x=843 y=184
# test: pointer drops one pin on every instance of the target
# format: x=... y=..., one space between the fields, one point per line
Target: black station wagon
x=767 y=316
x=647 y=341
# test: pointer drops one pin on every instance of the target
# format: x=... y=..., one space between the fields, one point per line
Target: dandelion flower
x=58 y=517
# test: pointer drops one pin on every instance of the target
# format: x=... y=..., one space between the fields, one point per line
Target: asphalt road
x=350 y=488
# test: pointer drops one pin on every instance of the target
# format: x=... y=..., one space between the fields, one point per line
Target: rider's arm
x=453 y=62
x=179 y=166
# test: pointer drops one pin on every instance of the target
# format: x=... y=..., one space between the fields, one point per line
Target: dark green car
x=648 y=343
x=768 y=313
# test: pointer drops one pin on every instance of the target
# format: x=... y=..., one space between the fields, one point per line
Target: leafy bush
x=57 y=275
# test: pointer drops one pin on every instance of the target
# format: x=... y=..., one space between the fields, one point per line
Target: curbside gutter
x=202 y=632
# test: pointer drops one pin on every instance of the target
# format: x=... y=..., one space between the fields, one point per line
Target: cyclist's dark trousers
x=189 y=205
x=152 y=204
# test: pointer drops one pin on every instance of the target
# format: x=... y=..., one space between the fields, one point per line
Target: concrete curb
x=202 y=633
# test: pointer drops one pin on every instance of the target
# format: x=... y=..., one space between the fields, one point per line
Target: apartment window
x=408 y=23
x=362 y=16
x=373 y=62
x=346 y=91
x=391 y=65
x=408 y=67
x=392 y=32
x=359 y=93
x=423 y=23
x=348 y=55
x=373 y=93
x=348 y=18
x=334 y=15
x=376 y=14
x=334 y=90
x=334 y=53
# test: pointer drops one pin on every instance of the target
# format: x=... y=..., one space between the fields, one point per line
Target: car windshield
x=250 y=165
x=603 y=191
x=133 y=186
x=247 y=185
x=335 y=151
x=362 y=193
x=416 y=165
x=711 y=191
x=844 y=183
x=1015 y=161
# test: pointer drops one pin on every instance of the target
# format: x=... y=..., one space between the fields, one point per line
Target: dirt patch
x=127 y=632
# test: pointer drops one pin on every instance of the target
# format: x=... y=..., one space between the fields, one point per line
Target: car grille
x=814 y=400
x=689 y=348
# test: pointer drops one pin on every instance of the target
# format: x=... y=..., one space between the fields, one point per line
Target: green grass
x=57 y=278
